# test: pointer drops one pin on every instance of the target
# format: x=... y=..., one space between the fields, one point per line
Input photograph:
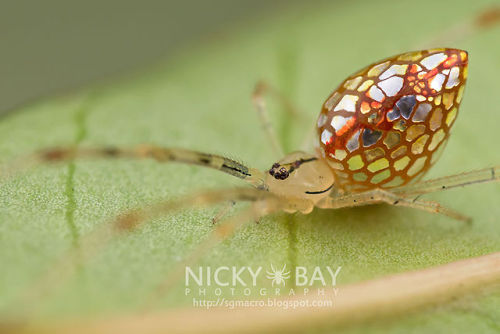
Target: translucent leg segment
x=449 y=182
x=222 y=231
x=137 y=217
x=261 y=108
x=383 y=196
x=223 y=212
x=261 y=89
x=485 y=19
x=96 y=240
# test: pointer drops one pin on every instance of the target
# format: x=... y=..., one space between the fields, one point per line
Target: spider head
x=300 y=175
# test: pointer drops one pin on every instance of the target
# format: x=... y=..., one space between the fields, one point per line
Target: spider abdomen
x=385 y=125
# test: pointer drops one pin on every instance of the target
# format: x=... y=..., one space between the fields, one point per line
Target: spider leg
x=449 y=182
x=96 y=240
x=161 y=154
x=482 y=20
x=383 y=196
x=261 y=89
x=134 y=218
x=224 y=230
x=223 y=211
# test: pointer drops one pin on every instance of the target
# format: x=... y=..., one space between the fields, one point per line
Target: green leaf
x=201 y=100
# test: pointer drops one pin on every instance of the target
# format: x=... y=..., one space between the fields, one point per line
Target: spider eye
x=300 y=175
x=279 y=172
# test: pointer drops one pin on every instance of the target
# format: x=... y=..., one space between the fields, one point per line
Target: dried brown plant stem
x=376 y=298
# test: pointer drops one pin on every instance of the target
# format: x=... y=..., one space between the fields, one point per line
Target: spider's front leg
x=260 y=107
x=261 y=90
x=377 y=196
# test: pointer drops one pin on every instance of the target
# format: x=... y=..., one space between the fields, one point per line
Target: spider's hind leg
x=483 y=20
x=484 y=175
x=384 y=196
x=408 y=195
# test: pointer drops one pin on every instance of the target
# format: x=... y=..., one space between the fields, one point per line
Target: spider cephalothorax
x=300 y=175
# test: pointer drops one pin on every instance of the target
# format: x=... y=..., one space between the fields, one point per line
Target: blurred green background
x=52 y=46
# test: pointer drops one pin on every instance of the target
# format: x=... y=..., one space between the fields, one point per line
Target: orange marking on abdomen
x=452 y=59
x=350 y=123
x=431 y=73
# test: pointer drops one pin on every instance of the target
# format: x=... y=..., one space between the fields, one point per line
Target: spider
x=278 y=276
x=378 y=134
